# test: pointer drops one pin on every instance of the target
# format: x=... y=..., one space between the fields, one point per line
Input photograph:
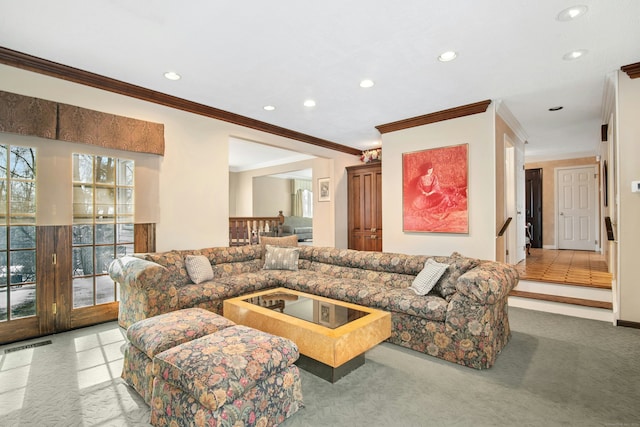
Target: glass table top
x=306 y=308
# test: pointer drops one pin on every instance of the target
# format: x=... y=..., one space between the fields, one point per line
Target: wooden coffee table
x=332 y=336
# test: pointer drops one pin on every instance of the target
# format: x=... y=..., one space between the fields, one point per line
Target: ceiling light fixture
x=447 y=56
x=309 y=103
x=366 y=83
x=269 y=107
x=572 y=13
x=172 y=75
x=557 y=108
x=573 y=55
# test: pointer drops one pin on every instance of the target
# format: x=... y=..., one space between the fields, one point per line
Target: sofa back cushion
x=387 y=262
x=224 y=260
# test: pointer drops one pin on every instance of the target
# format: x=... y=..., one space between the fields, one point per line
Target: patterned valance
x=27 y=116
x=33 y=116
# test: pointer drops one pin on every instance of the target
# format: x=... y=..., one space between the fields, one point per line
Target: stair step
x=564 y=300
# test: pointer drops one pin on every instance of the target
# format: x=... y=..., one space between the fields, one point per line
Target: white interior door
x=576 y=213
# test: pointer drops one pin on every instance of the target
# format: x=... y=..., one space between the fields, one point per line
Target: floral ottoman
x=154 y=335
x=237 y=376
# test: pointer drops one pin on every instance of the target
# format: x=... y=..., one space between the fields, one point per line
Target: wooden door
x=365 y=207
x=534 y=205
x=576 y=208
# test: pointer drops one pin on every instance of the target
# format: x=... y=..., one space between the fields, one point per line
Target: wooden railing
x=246 y=230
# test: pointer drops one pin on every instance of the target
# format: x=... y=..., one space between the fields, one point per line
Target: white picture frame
x=324 y=189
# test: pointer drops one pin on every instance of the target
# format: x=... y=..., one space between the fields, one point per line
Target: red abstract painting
x=434 y=190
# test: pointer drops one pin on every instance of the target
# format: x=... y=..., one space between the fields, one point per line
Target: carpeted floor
x=555 y=371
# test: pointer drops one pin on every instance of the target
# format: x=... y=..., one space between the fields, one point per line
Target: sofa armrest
x=288 y=229
x=145 y=290
x=488 y=282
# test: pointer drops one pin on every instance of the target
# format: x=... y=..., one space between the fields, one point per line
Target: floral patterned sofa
x=463 y=319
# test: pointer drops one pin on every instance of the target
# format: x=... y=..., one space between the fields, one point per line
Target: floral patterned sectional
x=463 y=319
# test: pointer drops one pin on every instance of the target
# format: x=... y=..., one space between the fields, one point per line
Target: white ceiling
x=242 y=55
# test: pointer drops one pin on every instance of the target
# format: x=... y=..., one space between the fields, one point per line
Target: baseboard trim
x=628 y=324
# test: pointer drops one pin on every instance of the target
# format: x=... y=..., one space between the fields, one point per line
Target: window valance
x=25 y=115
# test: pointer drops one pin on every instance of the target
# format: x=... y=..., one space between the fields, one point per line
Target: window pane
x=23 y=266
x=82 y=292
x=83 y=234
x=105 y=170
x=82 y=168
x=4 y=277
x=83 y=261
x=3 y=302
x=23 y=301
x=23 y=197
x=104 y=256
x=122 y=250
x=105 y=233
x=125 y=172
x=22 y=237
x=82 y=203
x=124 y=233
x=105 y=290
x=23 y=163
x=3 y=240
x=105 y=204
x=3 y=197
x=3 y=161
x=125 y=201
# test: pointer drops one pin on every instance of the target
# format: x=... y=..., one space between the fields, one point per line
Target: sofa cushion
x=281 y=258
x=287 y=241
x=428 y=277
x=405 y=301
x=206 y=294
x=458 y=265
x=221 y=367
x=159 y=333
x=198 y=268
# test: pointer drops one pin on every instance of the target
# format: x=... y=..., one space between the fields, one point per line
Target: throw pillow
x=446 y=287
x=198 y=268
x=428 y=277
x=281 y=258
x=289 y=241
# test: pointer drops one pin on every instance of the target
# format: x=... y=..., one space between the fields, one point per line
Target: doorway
x=576 y=208
x=533 y=208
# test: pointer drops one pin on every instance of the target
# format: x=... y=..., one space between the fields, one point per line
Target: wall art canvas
x=435 y=184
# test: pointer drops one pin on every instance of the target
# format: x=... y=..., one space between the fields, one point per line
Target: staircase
x=574 y=283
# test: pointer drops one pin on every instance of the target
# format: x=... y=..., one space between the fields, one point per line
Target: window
x=103 y=214
x=17 y=232
x=307 y=203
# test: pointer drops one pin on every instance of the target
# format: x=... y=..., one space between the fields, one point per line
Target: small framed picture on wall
x=324 y=189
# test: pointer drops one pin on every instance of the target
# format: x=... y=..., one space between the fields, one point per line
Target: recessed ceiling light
x=366 y=83
x=269 y=107
x=572 y=12
x=447 y=56
x=172 y=75
x=575 y=54
x=309 y=103
x=557 y=108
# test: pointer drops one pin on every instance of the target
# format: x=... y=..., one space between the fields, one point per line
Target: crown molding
x=439 y=116
x=53 y=69
x=632 y=70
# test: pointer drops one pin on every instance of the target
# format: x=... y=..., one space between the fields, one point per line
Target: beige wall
x=628 y=229
x=503 y=131
x=193 y=205
x=549 y=196
x=477 y=131
x=271 y=195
